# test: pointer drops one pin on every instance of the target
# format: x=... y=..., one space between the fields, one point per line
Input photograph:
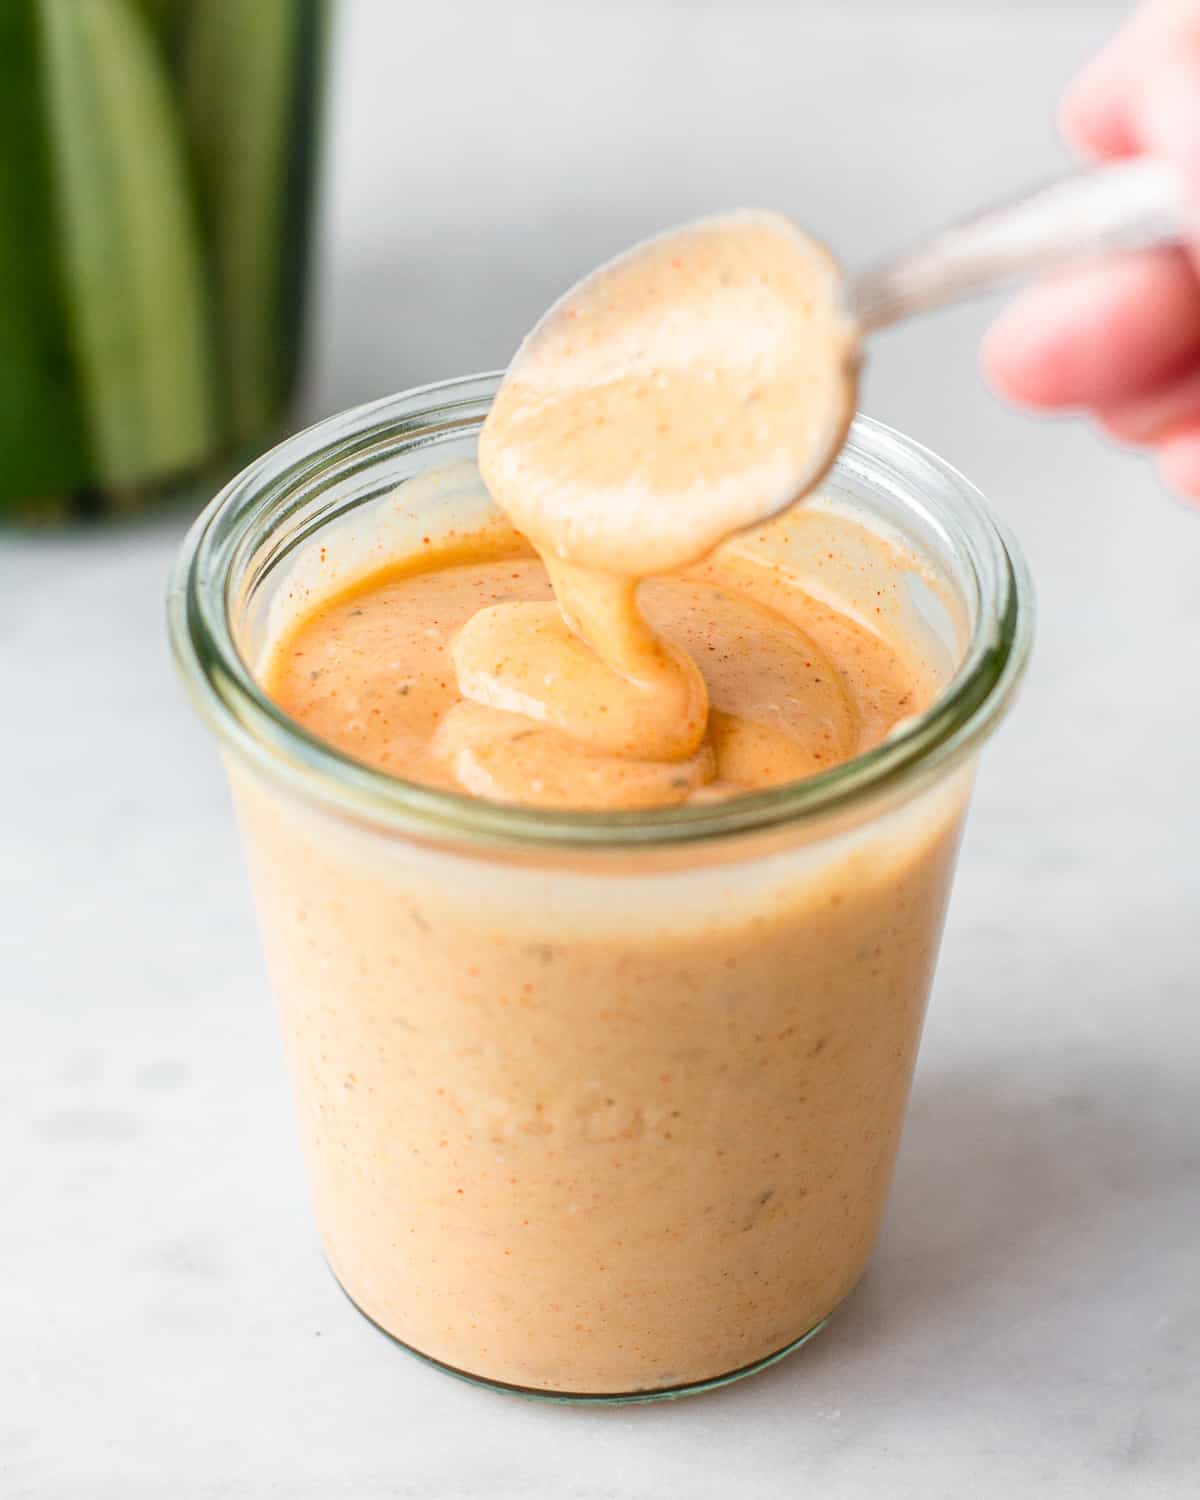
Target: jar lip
x=245 y=719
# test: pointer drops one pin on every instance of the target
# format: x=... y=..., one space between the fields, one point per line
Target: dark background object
x=154 y=228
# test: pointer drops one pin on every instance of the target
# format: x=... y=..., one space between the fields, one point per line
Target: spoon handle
x=1100 y=211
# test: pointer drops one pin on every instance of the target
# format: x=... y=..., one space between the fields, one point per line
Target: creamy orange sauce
x=792 y=686
x=695 y=385
x=620 y=1124
x=599 y=1129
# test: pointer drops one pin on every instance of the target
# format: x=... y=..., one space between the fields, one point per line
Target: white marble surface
x=1031 y=1325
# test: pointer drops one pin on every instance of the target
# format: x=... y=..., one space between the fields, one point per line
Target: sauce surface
x=792 y=686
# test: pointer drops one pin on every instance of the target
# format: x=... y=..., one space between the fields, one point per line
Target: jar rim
x=231 y=701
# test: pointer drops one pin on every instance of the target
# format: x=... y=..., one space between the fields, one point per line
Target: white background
x=1031 y=1325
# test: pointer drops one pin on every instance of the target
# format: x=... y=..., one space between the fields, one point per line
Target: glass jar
x=155 y=208
x=595 y=1107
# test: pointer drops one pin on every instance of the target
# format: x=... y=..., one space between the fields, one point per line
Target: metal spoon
x=1099 y=211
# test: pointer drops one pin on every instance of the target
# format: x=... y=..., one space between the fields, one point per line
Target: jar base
x=584 y=1398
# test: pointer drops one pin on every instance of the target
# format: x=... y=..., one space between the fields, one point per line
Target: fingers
x=1179 y=462
x=1140 y=93
x=1168 y=115
x=1096 y=117
x=1123 y=339
x=1156 y=414
x=1102 y=337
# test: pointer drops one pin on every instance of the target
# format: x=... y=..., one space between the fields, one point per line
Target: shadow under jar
x=595 y=1106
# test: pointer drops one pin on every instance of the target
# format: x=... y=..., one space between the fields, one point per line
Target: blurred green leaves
x=154 y=209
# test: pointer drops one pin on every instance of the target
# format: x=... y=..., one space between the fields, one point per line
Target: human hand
x=1121 y=339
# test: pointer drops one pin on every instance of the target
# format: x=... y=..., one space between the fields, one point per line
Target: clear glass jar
x=595 y=1107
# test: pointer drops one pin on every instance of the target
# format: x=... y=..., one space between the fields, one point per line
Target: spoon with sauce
x=695 y=386
x=747 y=329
